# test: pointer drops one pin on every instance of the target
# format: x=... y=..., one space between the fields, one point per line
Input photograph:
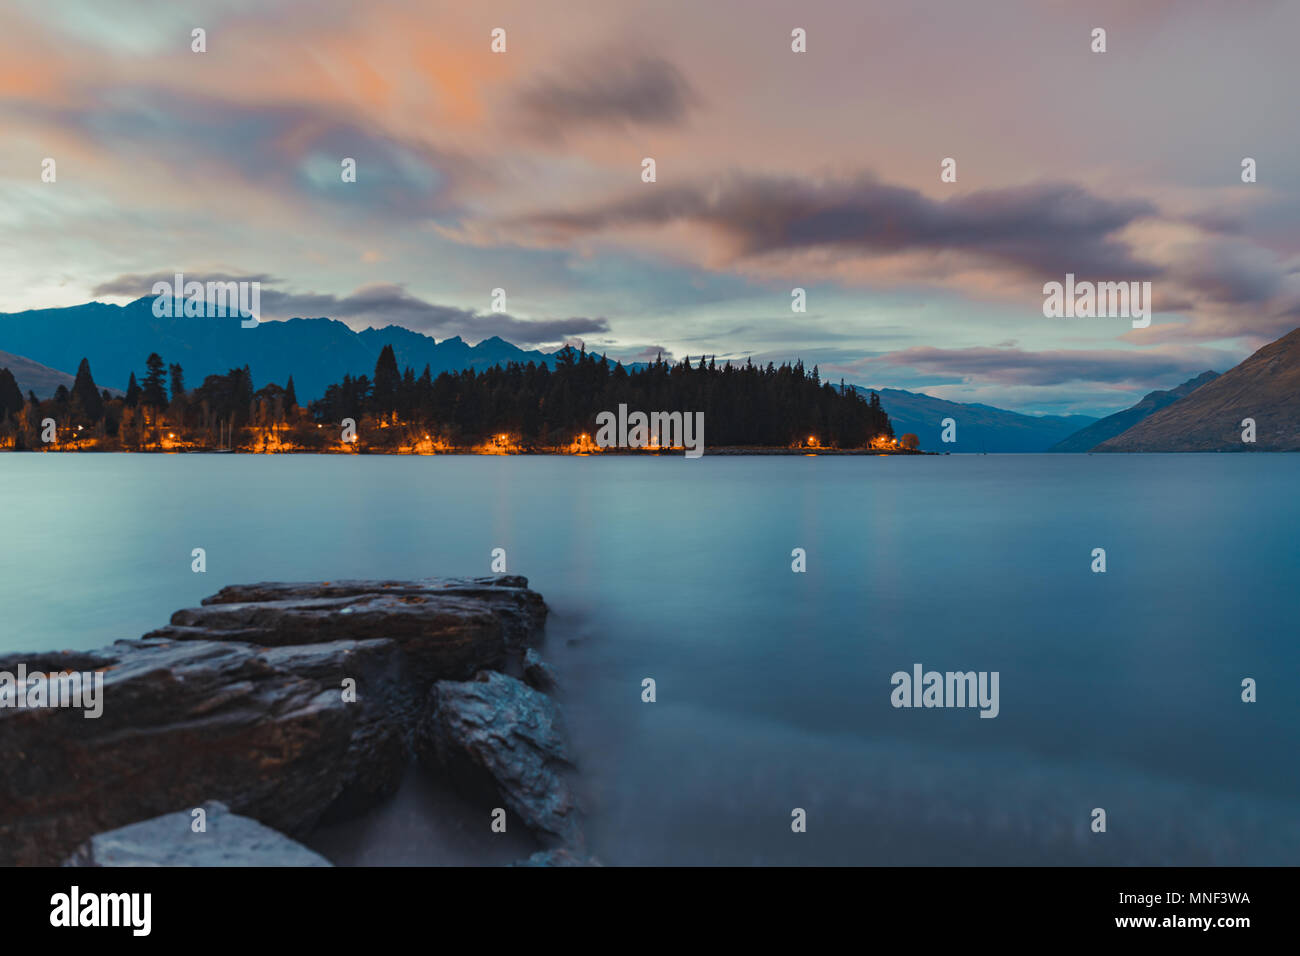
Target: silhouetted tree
x=11 y=396
x=90 y=403
x=154 y=390
x=388 y=381
x=178 y=381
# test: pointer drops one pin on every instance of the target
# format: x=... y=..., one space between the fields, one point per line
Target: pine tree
x=387 y=381
x=178 y=381
x=11 y=396
x=154 y=390
x=290 y=396
x=132 y=393
x=86 y=394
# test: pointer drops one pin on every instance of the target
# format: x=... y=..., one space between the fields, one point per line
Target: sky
x=774 y=170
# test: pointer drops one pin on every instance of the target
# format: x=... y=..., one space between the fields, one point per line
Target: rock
x=558 y=857
x=185 y=722
x=170 y=840
x=447 y=628
x=386 y=710
x=244 y=701
x=497 y=731
x=537 y=673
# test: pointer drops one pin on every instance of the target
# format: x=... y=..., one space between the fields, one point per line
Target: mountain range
x=1265 y=388
x=316 y=352
x=1086 y=439
x=44 y=346
x=978 y=428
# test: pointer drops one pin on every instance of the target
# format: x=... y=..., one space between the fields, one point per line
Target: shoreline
x=728 y=450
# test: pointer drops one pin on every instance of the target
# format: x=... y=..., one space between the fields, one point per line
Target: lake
x=1119 y=691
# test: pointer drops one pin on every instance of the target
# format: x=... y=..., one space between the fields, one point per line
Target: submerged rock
x=170 y=840
x=537 y=673
x=495 y=730
x=558 y=857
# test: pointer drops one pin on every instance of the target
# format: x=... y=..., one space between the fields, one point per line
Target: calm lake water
x=1119 y=690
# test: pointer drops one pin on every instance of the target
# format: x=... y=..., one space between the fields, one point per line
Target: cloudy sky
x=821 y=170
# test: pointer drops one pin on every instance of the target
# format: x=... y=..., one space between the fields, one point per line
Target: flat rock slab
x=170 y=840
x=498 y=729
x=447 y=628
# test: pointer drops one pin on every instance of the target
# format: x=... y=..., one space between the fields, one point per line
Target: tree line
x=155 y=404
x=535 y=404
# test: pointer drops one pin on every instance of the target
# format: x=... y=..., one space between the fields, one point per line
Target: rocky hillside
x=1265 y=387
x=33 y=376
x=1088 y=438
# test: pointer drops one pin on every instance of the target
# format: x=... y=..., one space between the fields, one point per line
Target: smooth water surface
x=1119 y=690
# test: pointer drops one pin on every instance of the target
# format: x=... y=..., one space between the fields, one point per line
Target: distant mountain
x=1099 y=431
x=980 y=428
x=1265 y=387
x=32 y=376
x=316 y=352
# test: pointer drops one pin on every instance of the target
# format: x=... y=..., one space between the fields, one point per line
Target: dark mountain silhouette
x=316 y=352
x=980 y=428
x=1104 y=429
x=1265 y=388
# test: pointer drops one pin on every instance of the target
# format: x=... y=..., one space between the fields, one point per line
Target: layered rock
x=185 y=722
x=447 y=628
x=226 y=839
x=496 y=732
x=289 y=703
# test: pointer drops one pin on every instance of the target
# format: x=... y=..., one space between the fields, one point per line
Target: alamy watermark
x=950 y=689
x=1087 y=300
x=65 y=689
x=656 y=430
x=75 y=908
x=180 y=299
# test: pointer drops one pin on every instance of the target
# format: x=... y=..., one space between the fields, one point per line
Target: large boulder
x=184 y=722
x=496 y=733
x=226 y=839
x=290 y=703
